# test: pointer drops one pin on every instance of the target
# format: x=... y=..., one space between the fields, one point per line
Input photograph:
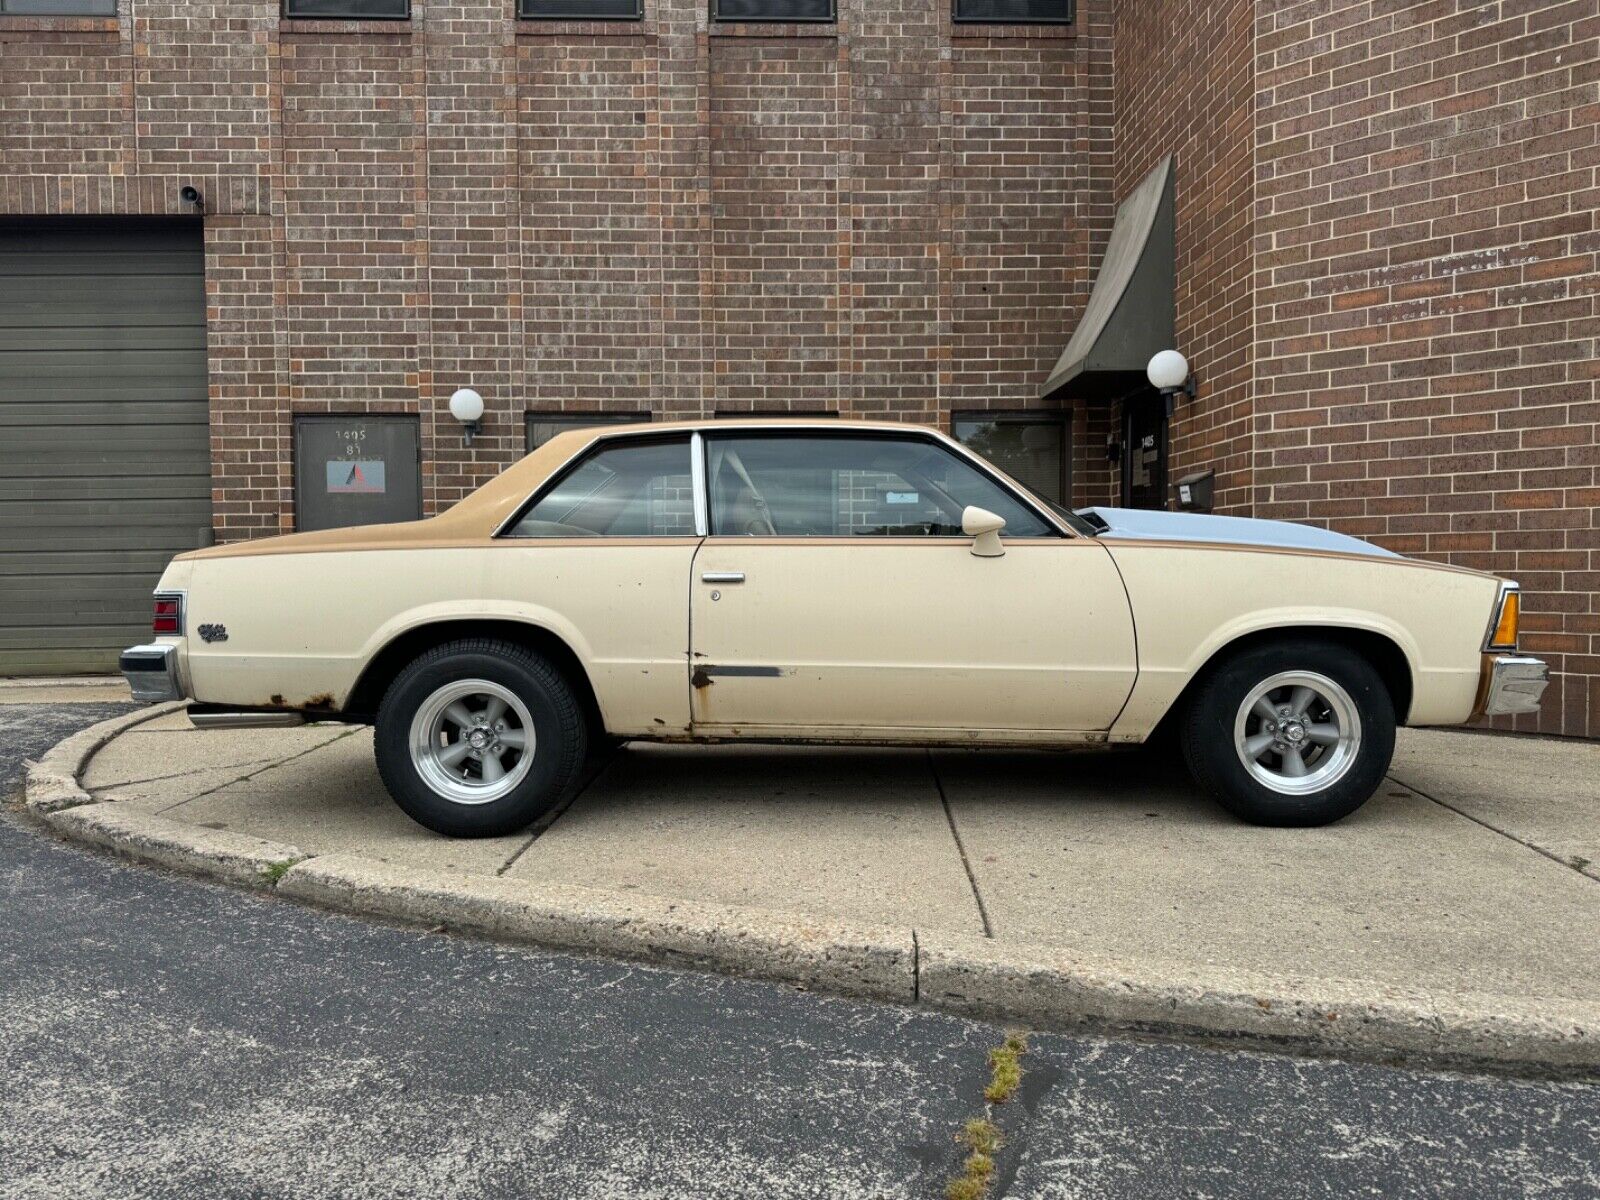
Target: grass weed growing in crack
x=273 y=872
x=981 y=1136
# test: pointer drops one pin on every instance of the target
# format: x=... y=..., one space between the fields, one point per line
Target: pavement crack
x=1581 y=869
x=916 y=968
x=591 y=774
x=961 y=849
x=122 y=783
x=272 y=766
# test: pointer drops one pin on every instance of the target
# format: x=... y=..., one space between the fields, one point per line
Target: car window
x=640 y=489
x=797 y=486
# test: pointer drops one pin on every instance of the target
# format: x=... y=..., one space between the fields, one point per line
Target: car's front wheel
x=1295 y=732
x=479 y=738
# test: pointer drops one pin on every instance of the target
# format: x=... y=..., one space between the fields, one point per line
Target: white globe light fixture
x=466 y=406
x=1169 y=374
x=1168 y=371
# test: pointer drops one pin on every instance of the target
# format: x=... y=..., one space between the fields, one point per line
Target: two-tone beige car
x=827 y=581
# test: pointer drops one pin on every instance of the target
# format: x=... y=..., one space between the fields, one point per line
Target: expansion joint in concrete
x=1587 y=869
x=961 y=849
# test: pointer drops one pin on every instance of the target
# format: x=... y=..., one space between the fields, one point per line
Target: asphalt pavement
x=164 y=1037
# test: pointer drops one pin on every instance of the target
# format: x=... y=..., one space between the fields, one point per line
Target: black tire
x=1210 y=743
x=560 y=737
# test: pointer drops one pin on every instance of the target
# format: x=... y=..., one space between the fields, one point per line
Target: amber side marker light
x=1504 y=636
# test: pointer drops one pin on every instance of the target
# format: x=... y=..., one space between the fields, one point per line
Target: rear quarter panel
x=302 y=626
x=1190 y=602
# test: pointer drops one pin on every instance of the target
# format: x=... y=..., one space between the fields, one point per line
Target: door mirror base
x=984 y=528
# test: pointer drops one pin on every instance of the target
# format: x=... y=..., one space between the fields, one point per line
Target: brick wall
x=1426 y=317
x=1185 y=86
x=1385 y=236
x=887 y=215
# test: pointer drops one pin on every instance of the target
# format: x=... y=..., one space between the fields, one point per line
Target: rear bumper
x=152 y=673
x=1511 y=684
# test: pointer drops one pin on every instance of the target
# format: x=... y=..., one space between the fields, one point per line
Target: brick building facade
x=1385 y=238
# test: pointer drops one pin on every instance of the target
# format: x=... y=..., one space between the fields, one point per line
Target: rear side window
x=788 y=486
x=639 y=489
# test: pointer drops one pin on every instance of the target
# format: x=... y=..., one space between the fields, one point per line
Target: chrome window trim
x=595 y=446
x=834 y=425
x=697 y=477
x=726 y=430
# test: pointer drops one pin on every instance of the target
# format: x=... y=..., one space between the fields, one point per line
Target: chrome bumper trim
x=152 y=673
x=1514 y=684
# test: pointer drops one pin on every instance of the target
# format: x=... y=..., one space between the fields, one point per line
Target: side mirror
x=984 y=528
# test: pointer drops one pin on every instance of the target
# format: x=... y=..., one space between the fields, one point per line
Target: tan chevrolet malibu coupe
x=827 y=581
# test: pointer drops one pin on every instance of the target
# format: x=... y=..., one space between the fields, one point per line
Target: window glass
x=639 y=489
x=544 y=426
x=772 y=10
x=1022 y=12
x=355 y=10
x=795 y=486
x=59 y=8
x=582 y=10
x=1030 y=449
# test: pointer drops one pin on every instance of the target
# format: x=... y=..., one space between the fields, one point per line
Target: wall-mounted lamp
x=1169 y=374
x=466 y=406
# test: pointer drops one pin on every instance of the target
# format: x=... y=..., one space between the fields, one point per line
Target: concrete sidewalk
x=1472 y=878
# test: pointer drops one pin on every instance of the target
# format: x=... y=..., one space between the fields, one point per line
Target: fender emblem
x=213 y=633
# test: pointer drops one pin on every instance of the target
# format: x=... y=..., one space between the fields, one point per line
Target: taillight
x=167 y=617
x=1504 y=634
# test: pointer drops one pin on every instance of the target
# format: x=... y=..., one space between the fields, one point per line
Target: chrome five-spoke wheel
x=472 y=741
x=1297 y=732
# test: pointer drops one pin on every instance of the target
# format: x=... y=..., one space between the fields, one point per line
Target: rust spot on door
x=701 y=678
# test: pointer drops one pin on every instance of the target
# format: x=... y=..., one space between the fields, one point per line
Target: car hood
x=1137 y=524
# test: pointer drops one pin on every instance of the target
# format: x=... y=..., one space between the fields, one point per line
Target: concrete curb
x=234 y=857
x=1041 y=986
x=52 y=782
x=874 y=963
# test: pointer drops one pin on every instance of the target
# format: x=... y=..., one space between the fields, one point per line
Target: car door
x=837 y=597
x=601 y=557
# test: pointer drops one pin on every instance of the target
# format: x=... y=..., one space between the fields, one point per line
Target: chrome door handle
x=722 y=577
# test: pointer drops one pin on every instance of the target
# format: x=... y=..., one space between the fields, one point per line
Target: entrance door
x=1144 y=458
x=837 y=597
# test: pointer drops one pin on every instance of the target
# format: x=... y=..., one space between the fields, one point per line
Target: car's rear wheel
x=479 y=738
x=1295 y=732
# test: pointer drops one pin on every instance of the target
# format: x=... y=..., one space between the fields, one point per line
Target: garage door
x=104 y=454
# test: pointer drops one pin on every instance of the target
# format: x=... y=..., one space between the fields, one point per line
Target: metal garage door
x=104 y=455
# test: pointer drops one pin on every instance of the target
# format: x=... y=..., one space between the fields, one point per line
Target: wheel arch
x=382 y=668
x=1382 y=651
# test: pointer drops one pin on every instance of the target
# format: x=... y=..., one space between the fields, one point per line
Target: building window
x=1015 y=12
x=1032 y=448
x=580 y=10
x=544 y=426
x=58 y=8
x=772 y=10
x=349 y=10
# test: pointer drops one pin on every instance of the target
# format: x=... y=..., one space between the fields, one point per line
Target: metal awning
x=1130 y=315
